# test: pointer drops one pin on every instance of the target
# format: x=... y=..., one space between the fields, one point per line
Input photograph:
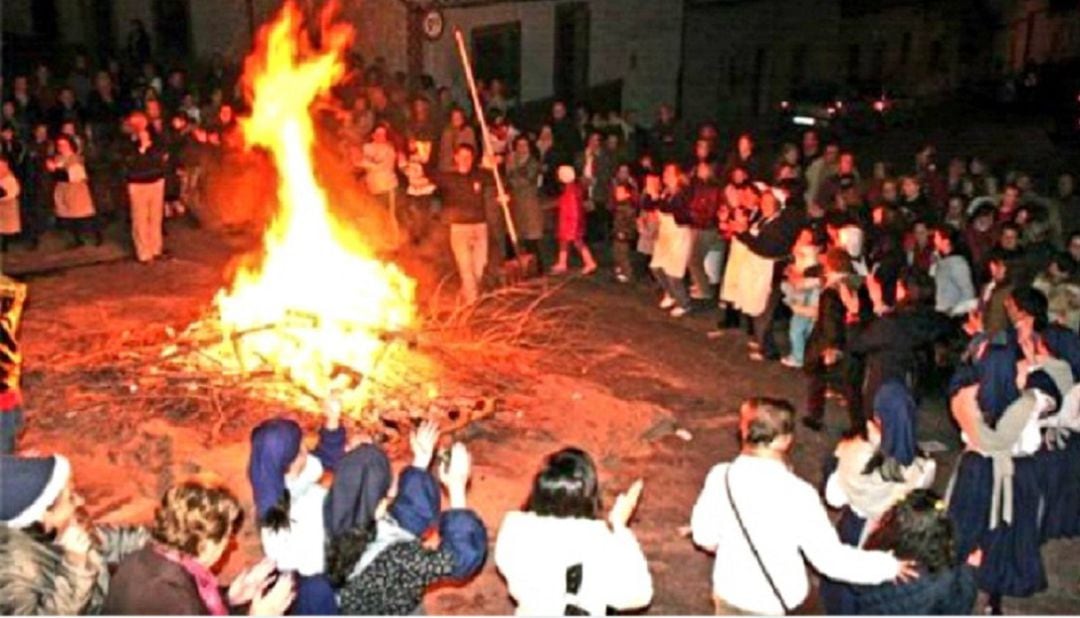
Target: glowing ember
x=318 y=301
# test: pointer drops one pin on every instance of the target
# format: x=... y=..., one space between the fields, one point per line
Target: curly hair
x=343 y=552
x=194 y=511
x=918 y=529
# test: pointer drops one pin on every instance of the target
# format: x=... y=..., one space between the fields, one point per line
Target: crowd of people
x=886 y=283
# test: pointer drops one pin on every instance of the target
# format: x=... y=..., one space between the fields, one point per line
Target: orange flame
x=319 y=299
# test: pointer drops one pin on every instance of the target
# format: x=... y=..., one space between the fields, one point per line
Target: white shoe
x=678 y=312
x=621 y=278
x=667 y=302
x=788 y=361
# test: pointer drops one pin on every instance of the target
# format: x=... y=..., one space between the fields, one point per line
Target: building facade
x=1041 y=31
x=742 y=57
x=542 y=48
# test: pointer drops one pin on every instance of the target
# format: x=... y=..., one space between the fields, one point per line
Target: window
x=497 y=55
x=853 y=62
x=799 y=60
x=935 y=56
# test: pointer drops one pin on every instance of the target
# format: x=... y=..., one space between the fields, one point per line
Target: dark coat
x=36 y=579
x=148 y=583
x=949 y=592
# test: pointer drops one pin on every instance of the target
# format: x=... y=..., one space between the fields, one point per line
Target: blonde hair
x=194 y=511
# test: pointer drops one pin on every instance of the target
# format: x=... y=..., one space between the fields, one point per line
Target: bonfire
x=317 y=306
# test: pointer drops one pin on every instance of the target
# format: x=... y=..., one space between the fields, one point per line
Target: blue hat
x=29 y=486
x=416 y=507
x=274 y=446
x=361 y=481
x=895 y=409
x=1041 y=381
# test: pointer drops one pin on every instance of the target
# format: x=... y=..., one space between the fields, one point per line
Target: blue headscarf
x=275 y=443
x=997 y=381
x=1064 y=344
x=1042 y=382
x=361 y=481
x=895 y=409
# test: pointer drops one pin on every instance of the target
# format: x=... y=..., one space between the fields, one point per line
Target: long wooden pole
x=504 y=201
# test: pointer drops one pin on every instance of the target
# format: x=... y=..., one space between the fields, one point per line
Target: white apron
x=674 y=245
x=748 y=279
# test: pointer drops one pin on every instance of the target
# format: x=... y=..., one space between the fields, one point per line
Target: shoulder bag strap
x=746 y=535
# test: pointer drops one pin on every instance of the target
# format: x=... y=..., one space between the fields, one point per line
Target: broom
x=522 y=265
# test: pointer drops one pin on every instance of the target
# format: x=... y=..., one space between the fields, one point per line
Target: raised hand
x=455 y=474
x=423 y=442
x=276 y=600
x=251 y=581
x=625 y=505
x=332 y=410
x=76 y=543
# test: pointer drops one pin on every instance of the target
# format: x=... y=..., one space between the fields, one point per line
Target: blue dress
x=1012 y=559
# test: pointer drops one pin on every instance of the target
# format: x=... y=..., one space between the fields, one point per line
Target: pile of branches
x=454 y=369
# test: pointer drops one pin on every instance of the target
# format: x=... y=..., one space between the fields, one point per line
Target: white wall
x=618 y=29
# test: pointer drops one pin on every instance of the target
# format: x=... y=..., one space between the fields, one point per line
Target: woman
x=52 y=561
x=375 y=556
x=917 y=529
x=674 y=242
x=174 y=574
x=955 y=289
x=378 y=160
x=873 y=474
x=289 y=501
x=523 y=174
x=10 y=224
x=993 y=510
x=73 y=202
x=558 y=558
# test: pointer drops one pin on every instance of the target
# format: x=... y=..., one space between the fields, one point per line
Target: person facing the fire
x=52 y=559
x=289 y=501
x=376 y=556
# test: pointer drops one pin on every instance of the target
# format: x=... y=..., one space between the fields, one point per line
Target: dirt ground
x=644 y=377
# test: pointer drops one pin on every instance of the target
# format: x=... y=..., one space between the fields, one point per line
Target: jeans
x=469 y=242
x=673 y=287
x=799 y=332
x=704 y=241
x=621 y=250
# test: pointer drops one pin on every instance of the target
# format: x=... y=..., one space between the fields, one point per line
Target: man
x=146 y=164
x=762 y=521
x=456 y=134
x=595 y=167
x=463 y=205
x=821 y=169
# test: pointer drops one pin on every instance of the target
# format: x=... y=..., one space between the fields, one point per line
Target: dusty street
x=643 y=377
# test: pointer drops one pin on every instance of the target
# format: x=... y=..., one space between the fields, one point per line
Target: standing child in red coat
x=571 y=229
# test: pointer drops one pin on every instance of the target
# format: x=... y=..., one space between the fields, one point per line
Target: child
x=801 y=291
x=571 y=229
x=625 y=226
x=648 y=221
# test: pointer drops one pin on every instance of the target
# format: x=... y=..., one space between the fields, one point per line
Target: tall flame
x=318 y=299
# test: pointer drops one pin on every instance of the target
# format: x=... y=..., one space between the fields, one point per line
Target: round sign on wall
x=433 y=24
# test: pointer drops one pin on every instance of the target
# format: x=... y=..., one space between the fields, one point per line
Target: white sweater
x=533 y=553
x=301 y=548
x=786 y=520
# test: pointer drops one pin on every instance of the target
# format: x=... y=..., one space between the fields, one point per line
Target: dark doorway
x=758 y=94
x=571 y=51
x=172 y=25
x=100 y=28
x=46 y=19
x=497 y=54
